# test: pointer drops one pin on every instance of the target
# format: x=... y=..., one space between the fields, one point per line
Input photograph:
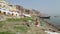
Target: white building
x=7 y=12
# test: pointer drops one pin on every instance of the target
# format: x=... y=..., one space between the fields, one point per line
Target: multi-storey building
x=6 y=8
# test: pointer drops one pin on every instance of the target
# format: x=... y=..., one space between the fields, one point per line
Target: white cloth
x=49 y=32
x=27 y=15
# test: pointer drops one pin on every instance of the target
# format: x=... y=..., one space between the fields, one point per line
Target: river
x=55 y=21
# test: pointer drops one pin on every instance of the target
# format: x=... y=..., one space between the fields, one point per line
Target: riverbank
x=26 y=25
x=21 y=25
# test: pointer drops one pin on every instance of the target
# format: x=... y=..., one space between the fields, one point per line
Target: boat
x=45 y=17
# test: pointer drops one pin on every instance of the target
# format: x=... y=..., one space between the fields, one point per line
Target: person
x=37 y=24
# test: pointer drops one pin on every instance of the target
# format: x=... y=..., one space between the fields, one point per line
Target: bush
x=2 y=23
x=21 y=28
x=17 y=19
x=7 y=32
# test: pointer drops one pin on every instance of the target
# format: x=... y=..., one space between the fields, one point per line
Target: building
x=8 y=8
x=16 y=8
x=20 y=9
x=7 y=12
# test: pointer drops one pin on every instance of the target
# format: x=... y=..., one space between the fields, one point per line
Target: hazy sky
x=50 y=7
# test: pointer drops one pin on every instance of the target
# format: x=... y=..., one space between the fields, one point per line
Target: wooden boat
x=48 y=17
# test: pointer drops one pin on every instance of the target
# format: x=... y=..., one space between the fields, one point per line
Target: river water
x=55 y=21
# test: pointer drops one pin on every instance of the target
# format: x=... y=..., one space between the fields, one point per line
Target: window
x=27 y=11
x=5 y=13
x=0 y=11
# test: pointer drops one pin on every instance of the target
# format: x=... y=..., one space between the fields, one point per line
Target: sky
x=50 y=7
